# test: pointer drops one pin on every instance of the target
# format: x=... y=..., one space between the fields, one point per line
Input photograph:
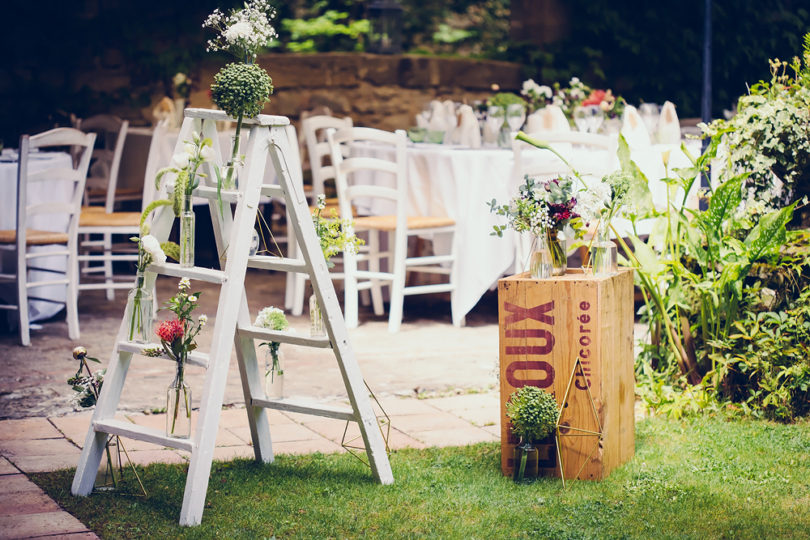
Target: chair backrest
x=371 y=153
x=314 y=128
x=75 y=178
x=111 y=133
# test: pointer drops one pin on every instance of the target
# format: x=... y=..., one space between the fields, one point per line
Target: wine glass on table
x=494 y=122
x=580 y=119
x=594 y=117
x=515 y=116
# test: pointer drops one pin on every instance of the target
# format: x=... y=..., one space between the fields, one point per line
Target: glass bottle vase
x=187 y=232
x=525 y=462
x=557 y=251
x=540 y=263
x=141 y=311
x=273 y=374
x=110 y=469
x=316 y=328
x=178 y=407
x=603 y=253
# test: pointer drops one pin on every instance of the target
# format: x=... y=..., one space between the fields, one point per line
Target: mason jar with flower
x=272 y=318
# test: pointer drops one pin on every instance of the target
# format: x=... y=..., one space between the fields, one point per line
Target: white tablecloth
x=37 y=192
x=460 y=182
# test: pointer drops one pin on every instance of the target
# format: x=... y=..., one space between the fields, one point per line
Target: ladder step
x=282 y=264
x=227 y=195
x=141 y=433
x=303 y=407
x=264 y=334
x=195 y=272
x=272 y=190
x=195 y=358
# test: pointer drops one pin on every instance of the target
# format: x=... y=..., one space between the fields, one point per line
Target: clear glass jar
x=316 y=328
x=540 y=264
x=141 y=311
x=178 y=407
x=187 y=233
x=273 y=373
x=603 y=253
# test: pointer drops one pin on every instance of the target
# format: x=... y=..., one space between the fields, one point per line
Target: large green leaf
x=639 y=193
x=648 y=259
x=769 y=234
x=724 y=200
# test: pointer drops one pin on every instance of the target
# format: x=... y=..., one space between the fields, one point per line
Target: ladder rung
x=99 y=286
x=264 y=334
x=227 y=195
x=282 y=264
x=142 y=433
x=195 y=358
x=427 y=289
x=272 y=190
x=194 y=272
x=305 y=408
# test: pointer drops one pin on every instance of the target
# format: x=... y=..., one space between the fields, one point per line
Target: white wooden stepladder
x=233 y=322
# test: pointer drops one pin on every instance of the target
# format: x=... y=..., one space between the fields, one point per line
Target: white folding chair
x=102 y=179
x=110 y=225
x=314 y=128
x=62 y=242
x=367 y=187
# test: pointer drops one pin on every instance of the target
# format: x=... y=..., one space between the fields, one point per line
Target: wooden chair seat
x=389 y=223
x=95 y=218
x=34 y=237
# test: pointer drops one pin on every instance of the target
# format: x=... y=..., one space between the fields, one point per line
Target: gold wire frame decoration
x=580 y=432
x=383 y=422
x=111 y=471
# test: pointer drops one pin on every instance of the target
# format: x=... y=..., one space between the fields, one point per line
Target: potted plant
x=533 y=415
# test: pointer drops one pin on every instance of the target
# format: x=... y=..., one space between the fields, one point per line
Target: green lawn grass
x=702 y=478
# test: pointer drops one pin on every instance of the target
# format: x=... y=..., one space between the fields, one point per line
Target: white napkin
x=669 y=128
x=633 y=128
x=468 y=130
x=437 y=118
x=549 y=118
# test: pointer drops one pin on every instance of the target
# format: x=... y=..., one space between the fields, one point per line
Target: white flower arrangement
x=244 y=31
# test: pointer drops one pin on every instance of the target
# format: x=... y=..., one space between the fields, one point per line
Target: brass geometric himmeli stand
x=383 y=422
x=558 y=434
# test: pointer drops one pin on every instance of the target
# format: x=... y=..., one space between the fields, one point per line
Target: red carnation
x=596 y=97
x=168 y=331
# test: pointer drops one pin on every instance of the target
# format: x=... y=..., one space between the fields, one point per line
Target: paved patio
x=437 y=383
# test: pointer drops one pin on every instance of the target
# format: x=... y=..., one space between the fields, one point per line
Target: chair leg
x=22 y=299
x=458 y=320
x=108 y=271
x=374 y=266
x=350 y=295
x=398 y=283
x=72 y=299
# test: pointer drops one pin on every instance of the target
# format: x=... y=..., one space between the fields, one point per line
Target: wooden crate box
x=544 y=325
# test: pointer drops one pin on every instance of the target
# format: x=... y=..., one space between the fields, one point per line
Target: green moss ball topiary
x=532 y=412
x=241 y=89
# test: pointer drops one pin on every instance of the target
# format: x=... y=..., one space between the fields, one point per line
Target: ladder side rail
x=335 y=326
x=115 y=378
x=225 y=328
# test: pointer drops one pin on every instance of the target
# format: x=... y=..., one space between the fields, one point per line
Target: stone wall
x=375 y=90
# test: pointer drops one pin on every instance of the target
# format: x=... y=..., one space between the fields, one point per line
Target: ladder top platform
x=221 y=116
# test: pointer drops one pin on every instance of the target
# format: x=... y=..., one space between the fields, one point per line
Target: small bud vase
x=178 y=406
x=273 y=374
x=316 y=328
x=603 y=253
x=187 y=224
x=525 y=463
x=141 y=311
x=556 y=248
x=110 y=471
x=540 y=264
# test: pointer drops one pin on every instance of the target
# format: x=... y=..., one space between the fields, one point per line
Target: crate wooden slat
x=544 y=325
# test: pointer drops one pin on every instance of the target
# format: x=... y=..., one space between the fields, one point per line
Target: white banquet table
x=460 y=182
x=39 y=191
